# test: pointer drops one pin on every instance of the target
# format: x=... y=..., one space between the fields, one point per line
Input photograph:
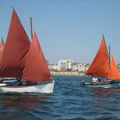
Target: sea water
x=70 y=101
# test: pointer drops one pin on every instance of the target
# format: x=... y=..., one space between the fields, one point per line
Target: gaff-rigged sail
x=16 y=47
x=100 y=64
x=36 y=68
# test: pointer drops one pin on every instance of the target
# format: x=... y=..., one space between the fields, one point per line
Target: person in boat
x=19 y=81
x=99 y=80
x=94 y=80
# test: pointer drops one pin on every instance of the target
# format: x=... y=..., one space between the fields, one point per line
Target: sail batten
x=36 y=68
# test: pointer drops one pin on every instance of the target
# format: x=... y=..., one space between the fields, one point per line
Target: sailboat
x=103 y=69
x=24 y=61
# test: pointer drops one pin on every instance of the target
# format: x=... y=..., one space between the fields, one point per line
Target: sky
x=67 y=29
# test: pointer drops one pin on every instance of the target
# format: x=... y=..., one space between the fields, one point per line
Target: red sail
x=16 y=47
x=100 y=64
x=36 y=68
x=2 y=45
x=113 y=71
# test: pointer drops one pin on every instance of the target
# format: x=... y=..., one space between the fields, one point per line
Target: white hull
x=40 y=88
x=113 y=85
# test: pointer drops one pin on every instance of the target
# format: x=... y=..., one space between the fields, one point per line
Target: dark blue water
x=69 y=101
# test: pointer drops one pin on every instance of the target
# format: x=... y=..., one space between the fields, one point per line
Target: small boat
x=103 y=69
x=25 y=61
x=108 y=84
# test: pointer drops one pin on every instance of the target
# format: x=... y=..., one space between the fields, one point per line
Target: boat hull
x=113 y=85
x=39 y=88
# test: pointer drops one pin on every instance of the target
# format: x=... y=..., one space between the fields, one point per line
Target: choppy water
x=69 y=101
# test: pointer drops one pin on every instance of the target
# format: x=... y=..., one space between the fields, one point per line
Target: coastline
x=68 y=73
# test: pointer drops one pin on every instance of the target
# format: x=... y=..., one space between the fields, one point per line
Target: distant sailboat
x=103 y=69
x=24 y=60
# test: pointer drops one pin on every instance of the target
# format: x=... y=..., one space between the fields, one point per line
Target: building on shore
x=66 y=64
x=68 y=67
x=54 y=67
x=79 y=67
x=68 y=73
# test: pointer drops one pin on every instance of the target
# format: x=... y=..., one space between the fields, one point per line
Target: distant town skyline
x=68 y=29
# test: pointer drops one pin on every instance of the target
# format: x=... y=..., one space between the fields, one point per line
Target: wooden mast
x=109 y=58
x=31 y=27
